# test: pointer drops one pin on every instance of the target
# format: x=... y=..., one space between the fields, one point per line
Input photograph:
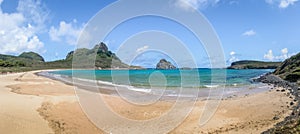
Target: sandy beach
x=32 y=104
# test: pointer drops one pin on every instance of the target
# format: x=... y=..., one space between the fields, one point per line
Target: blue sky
x=266 y=30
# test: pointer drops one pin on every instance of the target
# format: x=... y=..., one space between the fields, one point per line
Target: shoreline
x=290 y=122
x=232 y=116
x=104 y=87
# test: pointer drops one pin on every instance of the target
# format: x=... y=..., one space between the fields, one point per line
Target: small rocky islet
x=163 y=64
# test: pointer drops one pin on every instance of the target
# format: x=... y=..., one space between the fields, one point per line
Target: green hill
x=104 y=58
x=250 y=64
x=10 y=63
x=33 y=56
x=27 y=59
x=32 y=61
x=290 y=69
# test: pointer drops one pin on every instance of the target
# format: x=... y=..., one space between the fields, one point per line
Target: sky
x=267 y=30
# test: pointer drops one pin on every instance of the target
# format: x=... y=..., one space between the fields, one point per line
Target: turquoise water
x=170 y=78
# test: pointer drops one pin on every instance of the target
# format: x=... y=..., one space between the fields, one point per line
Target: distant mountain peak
x=101 y=47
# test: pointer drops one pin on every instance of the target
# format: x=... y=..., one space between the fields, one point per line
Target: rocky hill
x=104 y=57
x=290 y=69
x=164 y=64
x=249 y=64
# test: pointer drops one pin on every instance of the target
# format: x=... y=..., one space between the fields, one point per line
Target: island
x=163 y=64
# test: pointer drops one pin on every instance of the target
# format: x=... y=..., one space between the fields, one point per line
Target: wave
x=105 y=83
x=211 y=86
x=139 y=89
x=181 y=95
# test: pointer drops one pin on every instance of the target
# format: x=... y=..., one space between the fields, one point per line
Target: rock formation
x=164 y=64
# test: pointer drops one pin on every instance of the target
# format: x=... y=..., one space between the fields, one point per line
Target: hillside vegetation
x=98 y=57
x=290 y=69
x=25 y=59
x=249 y=64
x=32 y=56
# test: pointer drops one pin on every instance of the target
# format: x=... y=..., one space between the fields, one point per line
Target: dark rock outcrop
x=289 y=70
x=101 y=48
x=69 y=55
x=277 y=81
x=164 y=64
x=292 y=121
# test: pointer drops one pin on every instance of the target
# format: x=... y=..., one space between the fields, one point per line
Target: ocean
x=190 y=78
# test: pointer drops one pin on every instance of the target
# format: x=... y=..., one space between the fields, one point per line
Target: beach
x=34 y=104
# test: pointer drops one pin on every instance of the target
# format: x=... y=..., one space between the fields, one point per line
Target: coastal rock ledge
x=164 y=64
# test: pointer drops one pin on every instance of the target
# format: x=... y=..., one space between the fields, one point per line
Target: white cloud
x=284 y=55
x=66 y=32
x=232 y=53
x=142 y=49
x=18 y=30
x=233 y=57
x=269 y=55
x=249 y=33
x=282 y=3
x=35 y=12
x=192 y=5
x=286 y=3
